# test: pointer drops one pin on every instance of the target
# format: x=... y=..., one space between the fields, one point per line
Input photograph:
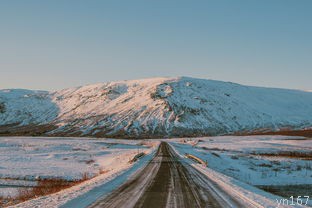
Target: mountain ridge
x=153 y=107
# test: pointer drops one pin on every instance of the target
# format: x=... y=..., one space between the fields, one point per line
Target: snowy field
x=256 y=160
x=237 y=163
x=24 y=160
x=278 y=164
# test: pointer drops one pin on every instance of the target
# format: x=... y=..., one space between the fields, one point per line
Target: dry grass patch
x=44 y=187
x=284 y=132
x=288 y=154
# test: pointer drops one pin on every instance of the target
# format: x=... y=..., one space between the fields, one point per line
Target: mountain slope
x=154 y=107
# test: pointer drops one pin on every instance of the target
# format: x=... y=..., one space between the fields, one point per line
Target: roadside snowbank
x=256 y=160
x=87 y=192
x=238 y=189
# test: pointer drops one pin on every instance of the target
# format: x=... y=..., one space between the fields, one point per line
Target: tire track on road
x=167 y=182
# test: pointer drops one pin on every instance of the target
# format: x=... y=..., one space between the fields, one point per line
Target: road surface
x=167 y=181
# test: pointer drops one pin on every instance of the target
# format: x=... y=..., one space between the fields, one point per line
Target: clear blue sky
x=56 y=44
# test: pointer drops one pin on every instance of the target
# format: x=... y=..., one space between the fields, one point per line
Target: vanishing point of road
x=167 y=181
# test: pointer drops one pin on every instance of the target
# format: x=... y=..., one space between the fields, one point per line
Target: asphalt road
x=167 y=181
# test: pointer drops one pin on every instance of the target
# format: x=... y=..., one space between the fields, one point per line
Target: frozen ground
x=235 y=163
x=238 y=164
x=23 y=160
x=256 y=160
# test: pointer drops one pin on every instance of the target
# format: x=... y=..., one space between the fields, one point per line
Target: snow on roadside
x=104 y=189
x=256 y=160
x=238 y=189
x=29 y=158
x=246 y=193
x=79 y=192
x=9 y=187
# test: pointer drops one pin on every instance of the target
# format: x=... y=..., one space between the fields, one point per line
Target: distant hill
x=155 y=107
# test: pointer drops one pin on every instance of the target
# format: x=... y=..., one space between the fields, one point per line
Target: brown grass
x=289 y=190
x=214 y=149
x=44 y=187
x=265 y=165
x=289 y=154
x=3 y=201
x=90 y=161
x=284 y=132
x=102 y=171
x=27 y=130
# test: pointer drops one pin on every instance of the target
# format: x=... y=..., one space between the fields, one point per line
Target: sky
x=51 y=45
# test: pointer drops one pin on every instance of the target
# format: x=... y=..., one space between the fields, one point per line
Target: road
x=167 y=181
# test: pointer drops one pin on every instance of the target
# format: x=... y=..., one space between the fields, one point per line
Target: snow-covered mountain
x=153 y=107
